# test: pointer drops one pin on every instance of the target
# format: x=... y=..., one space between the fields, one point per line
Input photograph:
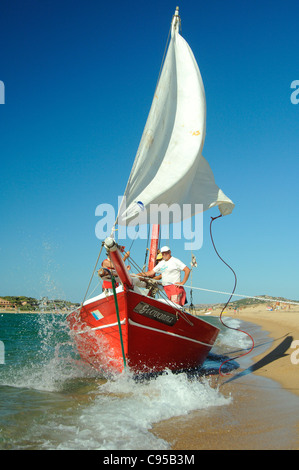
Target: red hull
x=155 y=335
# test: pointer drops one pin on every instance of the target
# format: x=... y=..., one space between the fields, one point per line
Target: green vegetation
x=25 y=304
x=246 y=302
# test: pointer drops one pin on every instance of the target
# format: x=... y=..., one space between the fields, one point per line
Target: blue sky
x=79 y=79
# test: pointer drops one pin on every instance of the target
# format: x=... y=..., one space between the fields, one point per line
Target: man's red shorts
x=176 y=294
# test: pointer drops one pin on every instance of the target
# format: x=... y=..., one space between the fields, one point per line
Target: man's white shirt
x=170 y=270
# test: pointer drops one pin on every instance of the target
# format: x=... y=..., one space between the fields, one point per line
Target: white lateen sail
x=169 y=167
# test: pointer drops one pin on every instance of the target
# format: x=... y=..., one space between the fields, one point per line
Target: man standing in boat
x=170 y=268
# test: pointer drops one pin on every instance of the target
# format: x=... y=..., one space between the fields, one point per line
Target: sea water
x=49 y=399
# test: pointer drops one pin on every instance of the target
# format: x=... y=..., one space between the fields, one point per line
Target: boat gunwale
x=161 y=302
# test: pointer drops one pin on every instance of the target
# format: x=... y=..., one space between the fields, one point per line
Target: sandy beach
x=265 y=390
x=278 y=361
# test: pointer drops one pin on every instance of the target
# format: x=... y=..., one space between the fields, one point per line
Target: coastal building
x=5 y=303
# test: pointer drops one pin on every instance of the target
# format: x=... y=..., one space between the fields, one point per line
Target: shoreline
x=263 y=410
x=2 y=312
x=282 y=327
x=264 y=413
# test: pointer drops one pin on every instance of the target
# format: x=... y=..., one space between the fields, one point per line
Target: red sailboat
x=133 y=329
x=126 y=325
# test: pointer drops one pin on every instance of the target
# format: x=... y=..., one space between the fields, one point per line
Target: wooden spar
x=154 y=247
x=118 y=263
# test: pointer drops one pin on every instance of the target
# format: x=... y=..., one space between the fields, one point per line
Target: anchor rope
x=221 y=313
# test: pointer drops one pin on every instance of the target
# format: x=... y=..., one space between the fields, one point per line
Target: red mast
x=154 y=247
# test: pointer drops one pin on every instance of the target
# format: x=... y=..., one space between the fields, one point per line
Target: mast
x=154 y=247
x=176 y=20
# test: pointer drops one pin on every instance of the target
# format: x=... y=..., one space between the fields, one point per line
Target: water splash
x=123 y=411
x=232 y=338
x=62 y=403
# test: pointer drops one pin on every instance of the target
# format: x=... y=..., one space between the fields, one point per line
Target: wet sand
x=264 y=413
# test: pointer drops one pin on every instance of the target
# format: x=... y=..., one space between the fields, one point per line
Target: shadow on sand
x=278 y=352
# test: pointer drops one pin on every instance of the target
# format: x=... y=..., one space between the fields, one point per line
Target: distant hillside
x=255 y=301
x=23 y=303
x=246 y=302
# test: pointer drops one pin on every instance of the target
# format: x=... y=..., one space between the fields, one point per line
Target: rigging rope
x=118 y=320
x=264 y=299
x=91 y=278
x=220 y=317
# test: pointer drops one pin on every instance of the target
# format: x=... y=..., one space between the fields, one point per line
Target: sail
x=169 y=167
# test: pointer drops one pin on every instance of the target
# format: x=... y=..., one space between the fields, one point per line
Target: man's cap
x=164 y=248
